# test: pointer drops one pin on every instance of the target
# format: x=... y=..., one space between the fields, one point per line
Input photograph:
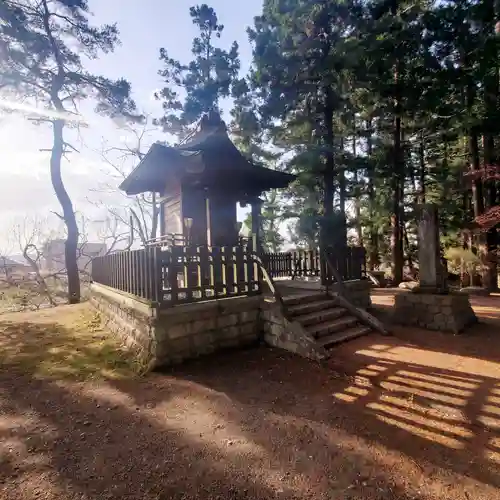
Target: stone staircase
x=323 y=319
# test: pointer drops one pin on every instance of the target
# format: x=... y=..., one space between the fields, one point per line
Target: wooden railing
x=333 y=275
x=292 y=264
x=137 y=272
x=198 y=273
x=168 y=240
x=349 y=262
x=173 y=275
x=271 y=285
x=180 y=274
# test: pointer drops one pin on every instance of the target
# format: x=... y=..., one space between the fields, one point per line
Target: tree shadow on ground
x=94 y=441
x=479 y=341
x=442 y=419
x=260 y=423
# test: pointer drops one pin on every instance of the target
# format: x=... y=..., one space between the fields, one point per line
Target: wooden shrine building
x=199 y=255
x=200 y=183
x=207 y=290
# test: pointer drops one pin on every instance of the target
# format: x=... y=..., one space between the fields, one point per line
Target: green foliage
x=461 y=258
x=43 y=46
x=381 y=103
x=195 y=88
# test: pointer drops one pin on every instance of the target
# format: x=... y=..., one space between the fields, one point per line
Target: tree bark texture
x=373 y=258
x=71 y=244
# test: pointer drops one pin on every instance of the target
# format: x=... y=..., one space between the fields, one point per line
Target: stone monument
x=431 y=305
x=432 y=278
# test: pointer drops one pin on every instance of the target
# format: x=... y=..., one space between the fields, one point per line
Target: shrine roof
x=211 y=157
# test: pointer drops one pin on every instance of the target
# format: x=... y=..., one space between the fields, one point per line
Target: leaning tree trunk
x=71 y=244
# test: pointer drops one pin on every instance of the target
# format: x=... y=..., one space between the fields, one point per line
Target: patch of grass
x=63 y=342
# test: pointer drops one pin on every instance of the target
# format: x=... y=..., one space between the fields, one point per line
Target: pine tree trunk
x=71 y=244
x=373 y=258
x=491 y=84
x=357 y=197
x=490 y=279
x=342 y=199
x=416 y=197
x=423 y=173
x=326 y=237
x=396 y=219
x=398 y=175
x=330 y=161
x=477 y=187
x=477 y=197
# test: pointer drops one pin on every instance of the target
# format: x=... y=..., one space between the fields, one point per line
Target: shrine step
x=323 y=328
x=303 y=298
x=309 y=307
x=327 y=313
x=323 y=320
x=343 y=336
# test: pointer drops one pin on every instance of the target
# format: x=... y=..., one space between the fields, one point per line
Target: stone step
x=309 y=307
x=303 y=298
x=327 y=327
x=321 y=316
x=338 y=337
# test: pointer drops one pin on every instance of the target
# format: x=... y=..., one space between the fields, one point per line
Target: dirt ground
x=415 y=415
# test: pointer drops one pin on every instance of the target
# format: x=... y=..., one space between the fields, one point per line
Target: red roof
x=489 y=219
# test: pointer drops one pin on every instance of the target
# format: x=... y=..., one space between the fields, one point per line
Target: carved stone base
x=443 y=312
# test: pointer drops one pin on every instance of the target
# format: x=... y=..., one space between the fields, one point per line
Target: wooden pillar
x=162 y=217
x=323 y=266
x=256 y=204
x=209 y=220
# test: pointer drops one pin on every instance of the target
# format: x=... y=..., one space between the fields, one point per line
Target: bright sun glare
x=44 y=113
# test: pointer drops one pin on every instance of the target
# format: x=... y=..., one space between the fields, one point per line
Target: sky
x=145 y=26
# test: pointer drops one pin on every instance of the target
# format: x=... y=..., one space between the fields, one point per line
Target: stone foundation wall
x=131 y=320
x=164 y=337
x=451 y=312
x=288 y=335
x=186 y=332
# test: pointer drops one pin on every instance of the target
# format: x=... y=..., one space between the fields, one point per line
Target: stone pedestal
x=443 y=312
x=430 y=305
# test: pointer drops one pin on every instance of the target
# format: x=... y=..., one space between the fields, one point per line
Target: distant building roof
x=9 y=261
